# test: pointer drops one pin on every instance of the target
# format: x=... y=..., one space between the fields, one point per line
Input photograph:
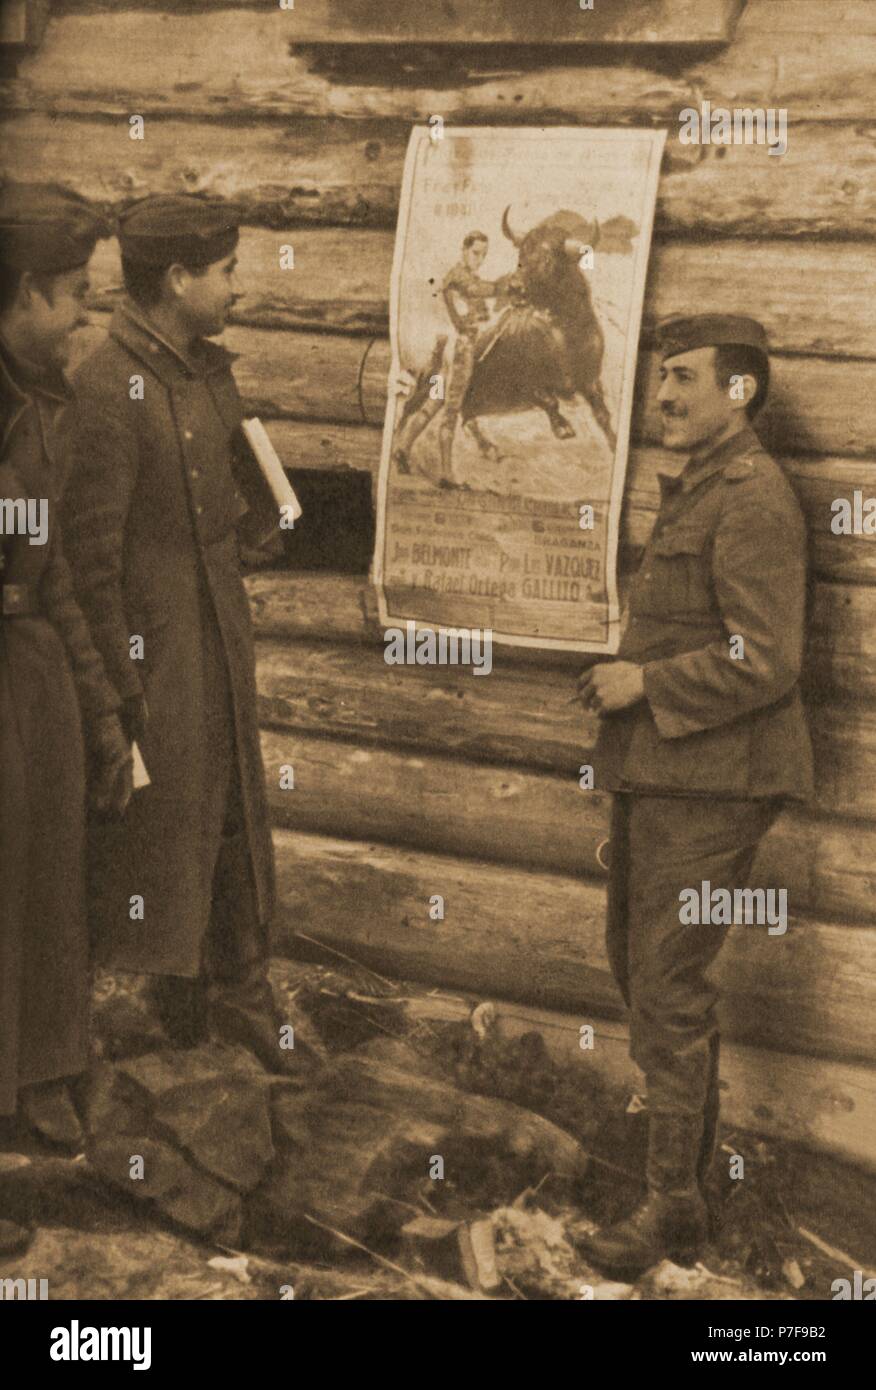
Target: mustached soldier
x=58 y=711
x=185 y=889
x=702 y=738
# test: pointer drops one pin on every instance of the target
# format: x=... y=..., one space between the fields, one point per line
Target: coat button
x=195 y=472
x=187 y=434
x=199 y=510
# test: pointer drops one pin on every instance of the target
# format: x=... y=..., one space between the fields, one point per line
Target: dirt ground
x=797 y=1222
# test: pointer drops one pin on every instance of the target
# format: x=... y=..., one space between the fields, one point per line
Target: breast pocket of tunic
x=676 y=581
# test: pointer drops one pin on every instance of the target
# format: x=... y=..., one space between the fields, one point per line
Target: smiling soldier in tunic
x=702 y=738
x=185 y=889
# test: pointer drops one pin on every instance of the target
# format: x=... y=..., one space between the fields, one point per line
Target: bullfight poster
x=516 y=304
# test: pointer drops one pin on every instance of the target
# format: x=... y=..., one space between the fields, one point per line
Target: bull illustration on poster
x=516 y=303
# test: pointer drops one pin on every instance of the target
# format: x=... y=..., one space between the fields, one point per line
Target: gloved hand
x=112 y=780
x=134 y=715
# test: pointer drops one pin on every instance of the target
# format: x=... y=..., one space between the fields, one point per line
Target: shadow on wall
x=337 y=526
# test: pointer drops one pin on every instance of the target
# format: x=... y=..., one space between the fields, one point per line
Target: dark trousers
x=235 y=945
x=660 y=846
x=234 y=948
x=234 y=951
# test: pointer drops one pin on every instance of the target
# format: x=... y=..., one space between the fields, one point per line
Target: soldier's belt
x=19 y=601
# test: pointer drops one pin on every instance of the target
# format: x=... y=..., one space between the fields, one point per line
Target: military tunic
x=703 y=764
x=53 y=690
x=152 y=511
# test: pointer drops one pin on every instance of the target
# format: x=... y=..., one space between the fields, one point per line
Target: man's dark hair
x=738 y=359
x=144 y=282
x=472 y=238
x=10 y=279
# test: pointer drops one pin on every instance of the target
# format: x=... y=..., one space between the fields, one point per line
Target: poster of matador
x=516 y=305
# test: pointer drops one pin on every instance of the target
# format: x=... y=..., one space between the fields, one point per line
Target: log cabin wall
x=414 y=781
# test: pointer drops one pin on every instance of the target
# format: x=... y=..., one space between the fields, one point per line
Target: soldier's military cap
x=683 y=333
x=47 y=229
x=165 y=228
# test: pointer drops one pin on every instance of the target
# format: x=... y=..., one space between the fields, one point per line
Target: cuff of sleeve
x=105 y=735
x=128 y=684
x=671 y=723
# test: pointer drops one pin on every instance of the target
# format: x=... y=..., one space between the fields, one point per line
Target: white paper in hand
x=141 y=777
x=271 y=467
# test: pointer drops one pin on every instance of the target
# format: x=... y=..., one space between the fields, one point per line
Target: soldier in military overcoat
x=184 y=889
x=59 y=726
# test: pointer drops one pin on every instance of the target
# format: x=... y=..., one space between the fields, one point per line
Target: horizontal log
x=360 y=21
x=824 y=1105
x=348 y=172
x=851 y=17
x=787 y=70
x=327 y=445
x=817 y=405
x=519 y=715
x=340 y=282
x=840 y=658
x=844 y=743
x=509 y=815
x=234 y=62
x=539 y=938
x=334 y=606
x=407 y=790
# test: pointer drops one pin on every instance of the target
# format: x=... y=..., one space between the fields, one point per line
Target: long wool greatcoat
x=52 y=689
x=151 y=514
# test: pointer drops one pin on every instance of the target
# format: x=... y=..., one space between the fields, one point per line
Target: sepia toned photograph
x=495 y=352
x=437 y=670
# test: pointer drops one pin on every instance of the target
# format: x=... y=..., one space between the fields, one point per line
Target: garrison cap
x=185 y=227
x=683 y=333
x=47 y=229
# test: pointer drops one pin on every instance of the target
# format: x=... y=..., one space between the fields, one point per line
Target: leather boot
x=14 y=1239
x=711 y=1116
x=181 y=1006
x=672 y=1222
x=46 y=1108
x=244 y=1012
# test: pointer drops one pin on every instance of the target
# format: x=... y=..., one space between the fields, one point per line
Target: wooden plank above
x=342 y=172
x=476 y=21
x=237 y=63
